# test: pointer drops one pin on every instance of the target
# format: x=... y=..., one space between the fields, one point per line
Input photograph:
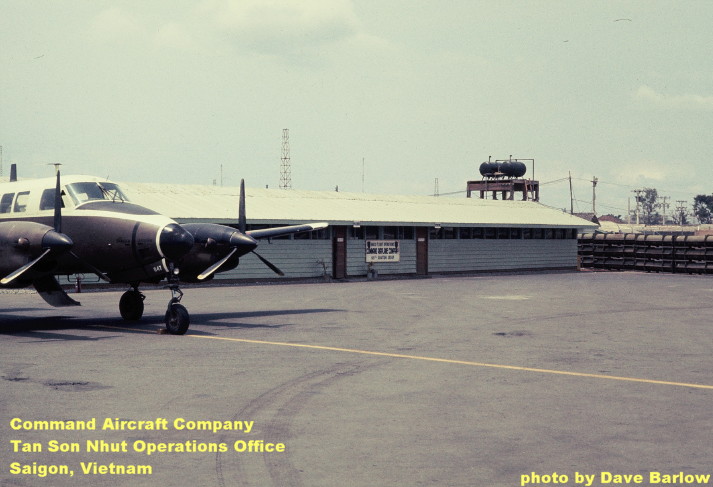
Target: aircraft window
x=83 y=192
x=21 y=201
x=47 y=199
x=6 y=202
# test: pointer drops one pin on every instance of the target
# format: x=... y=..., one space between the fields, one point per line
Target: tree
x=703 y=208
x=647 y=201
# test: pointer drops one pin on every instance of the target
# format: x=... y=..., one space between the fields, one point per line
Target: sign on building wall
x=382 y=251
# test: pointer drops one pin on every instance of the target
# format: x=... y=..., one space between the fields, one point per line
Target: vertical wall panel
x=498 y=255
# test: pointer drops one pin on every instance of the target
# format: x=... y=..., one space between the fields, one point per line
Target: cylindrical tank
x=488 y=169
x=508 y=169
x=513 y=169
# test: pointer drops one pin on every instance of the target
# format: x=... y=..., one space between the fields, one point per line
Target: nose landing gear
x=176 y=318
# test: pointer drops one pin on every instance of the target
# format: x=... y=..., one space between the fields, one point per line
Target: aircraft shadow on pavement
x=13 y=324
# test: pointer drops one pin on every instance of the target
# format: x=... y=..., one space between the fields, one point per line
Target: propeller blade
x=14 y=275
x=211 y=270
x=269 y=264
x=58 y=206
x=86 y=264
x=242 y=219
x=52 y=242
x=50 y=290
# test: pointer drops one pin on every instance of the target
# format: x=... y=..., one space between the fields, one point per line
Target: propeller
x=239 y=242
x=242 y=226
x=53 y=242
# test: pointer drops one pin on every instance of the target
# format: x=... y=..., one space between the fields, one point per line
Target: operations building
x=384 y=234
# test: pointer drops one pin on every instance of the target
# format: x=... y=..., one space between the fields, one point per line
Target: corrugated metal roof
x=220 y=204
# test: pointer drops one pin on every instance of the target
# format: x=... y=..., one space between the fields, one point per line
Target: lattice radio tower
x=285 y=169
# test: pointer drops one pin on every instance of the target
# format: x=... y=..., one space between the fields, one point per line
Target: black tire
x=177 y=319
x=131 y=306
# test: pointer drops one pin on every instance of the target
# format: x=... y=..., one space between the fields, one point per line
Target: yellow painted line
x=459 y=362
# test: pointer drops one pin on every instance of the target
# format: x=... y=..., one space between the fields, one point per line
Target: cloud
x=650 y=96
x=284 y=27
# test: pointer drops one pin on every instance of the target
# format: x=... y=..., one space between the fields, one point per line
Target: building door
x=339 y=253
x=421 y=251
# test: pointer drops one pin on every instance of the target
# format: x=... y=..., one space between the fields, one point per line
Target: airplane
x=64 y=226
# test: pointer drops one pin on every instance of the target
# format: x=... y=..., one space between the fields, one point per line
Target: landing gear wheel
x=131 y=305
x=177 y=319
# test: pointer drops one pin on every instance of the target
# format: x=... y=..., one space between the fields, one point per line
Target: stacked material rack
x=651 y=253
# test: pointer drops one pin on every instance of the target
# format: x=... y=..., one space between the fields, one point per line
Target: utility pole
x=664 y=206
x=638 y=201
x=681 y=209
x=594 y=194
x=571 y=195
x=435 y=189
x=285 y=169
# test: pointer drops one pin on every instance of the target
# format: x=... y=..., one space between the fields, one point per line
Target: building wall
x=296 y=258
x=499 y=255
x=310 y=258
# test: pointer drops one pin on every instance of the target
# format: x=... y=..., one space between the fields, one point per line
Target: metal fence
x=652 y=253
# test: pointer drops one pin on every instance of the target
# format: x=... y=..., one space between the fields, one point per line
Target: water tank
x=513 y=169
x=488 y=169
x=506 y=169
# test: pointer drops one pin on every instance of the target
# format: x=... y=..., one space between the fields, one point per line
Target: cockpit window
x=83 y=192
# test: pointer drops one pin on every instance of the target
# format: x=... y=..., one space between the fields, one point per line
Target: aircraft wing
x=280 y=231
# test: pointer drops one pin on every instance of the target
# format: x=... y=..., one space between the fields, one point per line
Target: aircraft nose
x=175 y=242
x=56 y=241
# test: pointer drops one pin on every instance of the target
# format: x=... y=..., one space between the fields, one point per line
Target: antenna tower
x=285 y=169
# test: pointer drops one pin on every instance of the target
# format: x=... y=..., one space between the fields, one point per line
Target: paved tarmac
x=503 y=380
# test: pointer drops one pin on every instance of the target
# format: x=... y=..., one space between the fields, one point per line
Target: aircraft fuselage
x=127 y=242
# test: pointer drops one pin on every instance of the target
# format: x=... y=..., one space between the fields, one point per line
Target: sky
x=378 y=96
